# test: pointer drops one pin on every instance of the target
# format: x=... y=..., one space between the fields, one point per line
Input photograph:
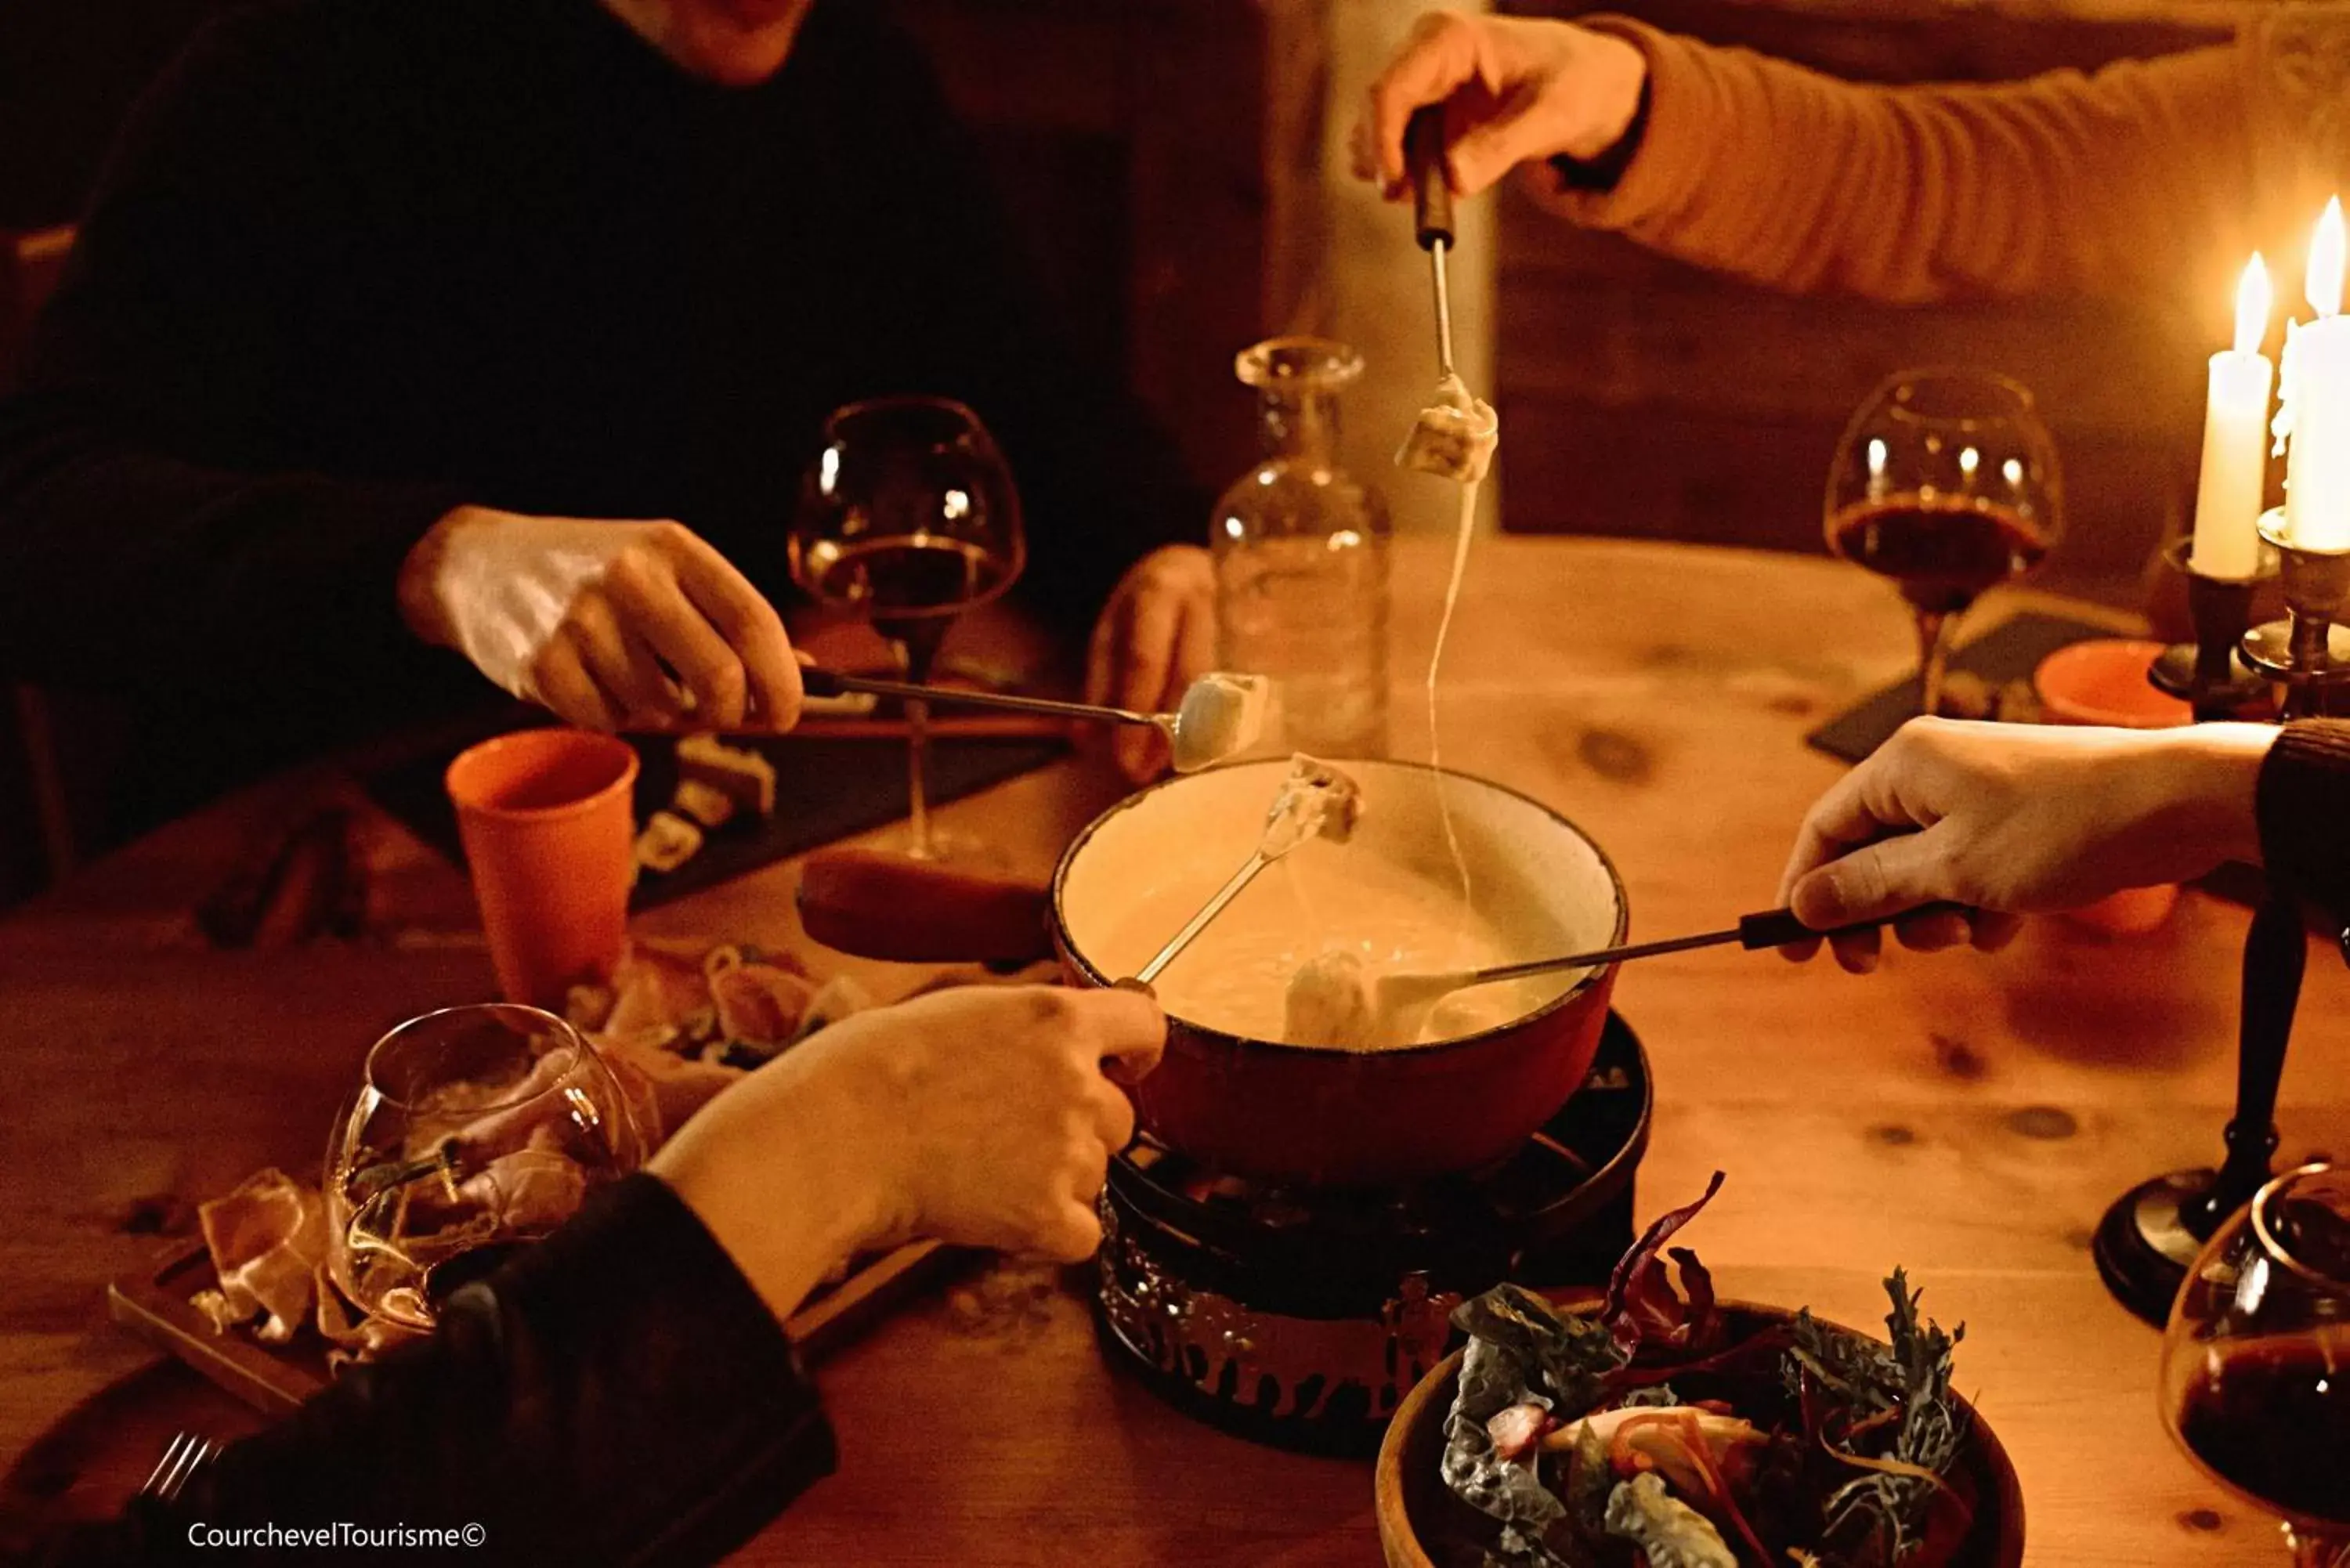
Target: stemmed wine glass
x=476 y=1129
x=1946 y=480
x=2256 y=1362
x=908 y=518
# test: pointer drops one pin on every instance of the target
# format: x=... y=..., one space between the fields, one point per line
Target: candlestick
x=2151 y=1234
x=2235 y=441
x=2307 y=652
x=2209 y=673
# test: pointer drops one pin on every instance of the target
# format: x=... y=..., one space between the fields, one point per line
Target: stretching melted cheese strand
x=1455 y=437
x=1435 y=661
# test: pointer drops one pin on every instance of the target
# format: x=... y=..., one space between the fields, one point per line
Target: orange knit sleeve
x=2146 y=176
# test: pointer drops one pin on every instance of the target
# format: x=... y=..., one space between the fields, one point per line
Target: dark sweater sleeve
x=158 y=525
x=617 y=1395
x=1101 y=484
x=2303 y=807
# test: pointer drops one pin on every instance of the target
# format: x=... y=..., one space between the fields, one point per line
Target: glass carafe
x=1301 y=550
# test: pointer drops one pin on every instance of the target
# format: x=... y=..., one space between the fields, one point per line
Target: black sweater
x=357 y=261
x=617 y=1395
x=2304 y=805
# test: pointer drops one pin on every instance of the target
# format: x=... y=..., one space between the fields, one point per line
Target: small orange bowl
x=2102 y=681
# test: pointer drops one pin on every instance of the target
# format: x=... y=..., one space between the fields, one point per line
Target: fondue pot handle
x=1778 y=928
x=902 y=910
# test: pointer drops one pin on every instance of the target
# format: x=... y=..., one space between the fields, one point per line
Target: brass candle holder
x=2152 y=1233
x=2308 y=653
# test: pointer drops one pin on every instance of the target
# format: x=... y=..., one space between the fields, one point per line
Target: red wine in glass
x=1943 y=551
x=1946 y=483
x=2256 y=1360
x=912 y=588
x=2273 y=1420
x=908 y=518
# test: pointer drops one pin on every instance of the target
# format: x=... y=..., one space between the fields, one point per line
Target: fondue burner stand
x=1301 y=1317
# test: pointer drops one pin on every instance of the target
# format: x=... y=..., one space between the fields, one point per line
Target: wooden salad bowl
x=1423 y=1525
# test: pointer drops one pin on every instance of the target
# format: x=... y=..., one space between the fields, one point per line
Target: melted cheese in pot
x=1235 y=976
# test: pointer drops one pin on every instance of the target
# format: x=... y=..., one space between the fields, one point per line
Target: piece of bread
x=701 y=801
x=668 y=842
x=745 y=777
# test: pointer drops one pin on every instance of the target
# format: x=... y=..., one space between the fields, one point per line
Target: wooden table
x=1966 y=1117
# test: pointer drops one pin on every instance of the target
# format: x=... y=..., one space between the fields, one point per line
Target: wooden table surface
x=1966 y=1117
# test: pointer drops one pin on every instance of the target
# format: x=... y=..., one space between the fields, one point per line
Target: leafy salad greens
x=1661 y=1433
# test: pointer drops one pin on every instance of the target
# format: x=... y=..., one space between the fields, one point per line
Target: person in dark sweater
x=624 y=1391
x=404 y=325
x=2013 y=819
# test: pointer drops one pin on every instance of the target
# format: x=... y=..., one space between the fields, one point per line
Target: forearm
x=618 y=1394
x=1913 y=194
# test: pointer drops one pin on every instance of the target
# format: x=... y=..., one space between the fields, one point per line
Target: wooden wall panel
x=1131 y=142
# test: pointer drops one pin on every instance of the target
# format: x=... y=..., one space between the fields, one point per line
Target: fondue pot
x=1351 y=1118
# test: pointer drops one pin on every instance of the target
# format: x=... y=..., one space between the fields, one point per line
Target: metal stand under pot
x=1301 y=1317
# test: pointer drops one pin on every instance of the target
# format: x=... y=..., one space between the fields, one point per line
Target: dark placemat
x=2011 y=650
x=826 y=789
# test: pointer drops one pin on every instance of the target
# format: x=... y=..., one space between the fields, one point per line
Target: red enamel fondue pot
x=1256 y=1107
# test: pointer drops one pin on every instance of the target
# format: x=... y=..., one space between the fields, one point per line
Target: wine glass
x=2256 y=1362
x=477 y=1129
x=1946 y=480
x=908 y=518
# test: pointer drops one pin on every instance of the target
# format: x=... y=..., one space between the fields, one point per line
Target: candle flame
x=2253 y=298
x=2326 y=259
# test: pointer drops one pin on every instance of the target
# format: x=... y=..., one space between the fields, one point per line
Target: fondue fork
x=1220 y=713
x=1397 y=1000
x=833 y=683
x=1316 y=801
x=1431 y=204
x=1453 y=437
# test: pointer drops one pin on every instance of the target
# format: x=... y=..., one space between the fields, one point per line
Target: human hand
x=1155 y=635
x=2013 y=819
x=613 y=625
x=1514 y=90
x=984 y=1117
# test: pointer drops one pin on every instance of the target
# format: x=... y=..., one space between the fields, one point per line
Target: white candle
x=2317 y=468
x=2235 y=441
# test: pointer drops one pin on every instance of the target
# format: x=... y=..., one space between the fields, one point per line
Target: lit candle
x=2235 y=444
x=2317 y=469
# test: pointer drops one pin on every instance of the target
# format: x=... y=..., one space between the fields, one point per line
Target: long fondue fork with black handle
x=1431 y=214
x=1398 y=999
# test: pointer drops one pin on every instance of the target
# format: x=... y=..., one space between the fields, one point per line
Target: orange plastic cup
x=2102 y=681
x=548 y=821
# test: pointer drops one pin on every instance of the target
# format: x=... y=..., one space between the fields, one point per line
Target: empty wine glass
x=476 y=1129
x=1946 y=480
x=908 y=518
x=2256 y=1363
